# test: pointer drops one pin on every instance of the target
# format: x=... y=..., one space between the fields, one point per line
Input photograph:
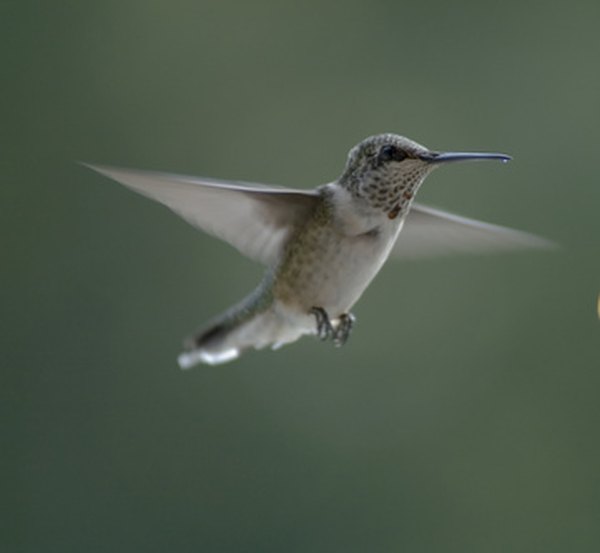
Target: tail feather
x=210 y=346
x=237 y=331
x=188 y=359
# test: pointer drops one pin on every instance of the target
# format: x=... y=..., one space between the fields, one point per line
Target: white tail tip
x=190 y=358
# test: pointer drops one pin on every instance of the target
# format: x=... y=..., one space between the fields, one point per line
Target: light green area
x=463 y=414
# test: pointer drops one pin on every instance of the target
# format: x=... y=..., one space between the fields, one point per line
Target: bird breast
x=334 y=257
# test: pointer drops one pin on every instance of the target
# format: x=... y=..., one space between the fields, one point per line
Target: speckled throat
x=381 y=183
x=392 y=192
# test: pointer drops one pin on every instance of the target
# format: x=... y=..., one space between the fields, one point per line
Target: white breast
x=365 y=240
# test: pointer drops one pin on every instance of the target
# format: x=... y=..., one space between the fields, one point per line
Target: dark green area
x=463 y=414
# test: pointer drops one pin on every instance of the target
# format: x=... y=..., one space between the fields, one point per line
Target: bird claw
x=324 y=327
x=326 y=331
x=344 y=329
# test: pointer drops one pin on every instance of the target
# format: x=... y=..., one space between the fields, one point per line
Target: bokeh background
x=462 y=416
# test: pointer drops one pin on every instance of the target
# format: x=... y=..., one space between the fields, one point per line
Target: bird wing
x=429 y=232
x=255 y=219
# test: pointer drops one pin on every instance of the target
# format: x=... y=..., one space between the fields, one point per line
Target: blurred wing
x=255 y=219
x=430 y=232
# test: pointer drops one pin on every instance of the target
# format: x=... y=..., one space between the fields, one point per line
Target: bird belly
x=334 y=273
x=341 y=280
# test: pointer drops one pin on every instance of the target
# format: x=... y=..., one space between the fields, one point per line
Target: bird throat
x=391 y=191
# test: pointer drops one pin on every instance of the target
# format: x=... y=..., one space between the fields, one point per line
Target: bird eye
x=389 y=152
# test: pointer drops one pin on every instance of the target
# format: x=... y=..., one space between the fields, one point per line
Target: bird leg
x=324 y=326
x=325 y=329
x=342 y=332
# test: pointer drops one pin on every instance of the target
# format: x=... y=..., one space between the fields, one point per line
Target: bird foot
x=325 y=329
x=344 y=329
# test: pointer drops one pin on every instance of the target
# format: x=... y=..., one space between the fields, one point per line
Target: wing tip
x=87 y=165
x=482 y=238
x=106 y=170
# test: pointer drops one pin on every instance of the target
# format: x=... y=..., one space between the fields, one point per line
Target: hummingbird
x=322 y=247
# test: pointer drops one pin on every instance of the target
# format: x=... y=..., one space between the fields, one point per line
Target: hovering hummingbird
x=322 y=247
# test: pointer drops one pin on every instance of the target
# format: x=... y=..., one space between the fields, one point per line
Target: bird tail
x=226 y=336
x=210 y=346
x=242 y=328
x=255 y=322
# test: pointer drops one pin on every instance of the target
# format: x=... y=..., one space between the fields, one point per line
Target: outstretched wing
x=255 y=219
x=430 y=232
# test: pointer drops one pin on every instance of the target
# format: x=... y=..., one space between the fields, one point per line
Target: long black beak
x=446 y=157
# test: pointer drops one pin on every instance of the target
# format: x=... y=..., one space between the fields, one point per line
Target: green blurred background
x=463 y=414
